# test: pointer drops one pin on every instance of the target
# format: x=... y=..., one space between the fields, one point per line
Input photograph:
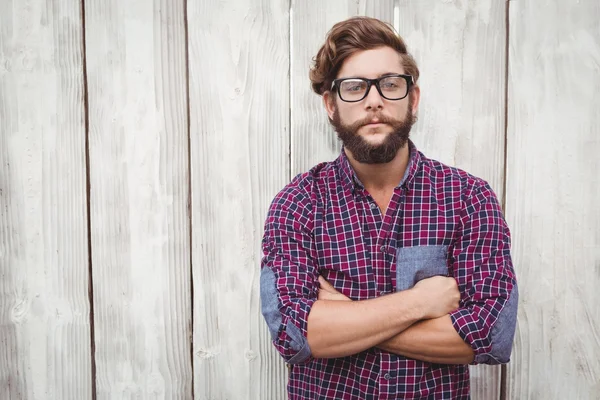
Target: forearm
x=434 y=340
x=342 y=328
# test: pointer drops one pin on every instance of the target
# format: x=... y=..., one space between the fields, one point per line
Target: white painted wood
x=239 y=107
x=553 y=189
x=459 y=47
x=485 y=382
x=312 y=138
x=44 y=305
x=140 y=233
x=381 y=9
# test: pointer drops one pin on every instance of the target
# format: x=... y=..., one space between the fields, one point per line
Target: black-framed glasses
x=391 y=87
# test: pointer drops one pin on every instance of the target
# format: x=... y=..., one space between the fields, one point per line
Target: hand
x=439 y=294
x=328 y=292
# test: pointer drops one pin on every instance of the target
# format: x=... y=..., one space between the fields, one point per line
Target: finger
x=333 y=291
x=324 y=284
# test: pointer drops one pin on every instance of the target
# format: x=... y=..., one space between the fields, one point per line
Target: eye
x=392 y=84
x=353 y=85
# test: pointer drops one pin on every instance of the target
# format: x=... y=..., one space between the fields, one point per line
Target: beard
x=367 y=153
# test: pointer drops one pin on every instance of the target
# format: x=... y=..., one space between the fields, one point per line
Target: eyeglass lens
x=392 y=88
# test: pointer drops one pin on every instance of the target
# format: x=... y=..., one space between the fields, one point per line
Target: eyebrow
x=378 y=76
x=389 y=74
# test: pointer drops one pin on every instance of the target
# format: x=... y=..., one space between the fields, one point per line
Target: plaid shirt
x=440 y=221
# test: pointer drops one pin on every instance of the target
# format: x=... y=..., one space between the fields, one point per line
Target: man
x=385 y=273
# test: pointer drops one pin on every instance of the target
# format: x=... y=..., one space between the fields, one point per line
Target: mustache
x=382 y=119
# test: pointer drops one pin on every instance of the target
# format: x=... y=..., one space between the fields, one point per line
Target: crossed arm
x=422 y=328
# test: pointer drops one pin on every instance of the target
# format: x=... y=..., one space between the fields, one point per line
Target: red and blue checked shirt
x=440 y=221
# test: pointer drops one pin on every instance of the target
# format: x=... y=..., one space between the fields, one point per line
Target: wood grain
x=381 y=9
x=553 y=189
x=459 y=47
x=136 y=62
x=239 y=105
x=44 y=304
x=312 y=138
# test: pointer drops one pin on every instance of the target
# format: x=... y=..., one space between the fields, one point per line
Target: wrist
x=418 y=301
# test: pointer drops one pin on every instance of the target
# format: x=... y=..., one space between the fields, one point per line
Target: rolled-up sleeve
x=288 y=280
x=483 y=268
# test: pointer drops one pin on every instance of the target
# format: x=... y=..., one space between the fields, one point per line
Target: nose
x=373 y=101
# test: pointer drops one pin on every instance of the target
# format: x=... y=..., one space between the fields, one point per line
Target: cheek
x=401 y=110
x=349 y=113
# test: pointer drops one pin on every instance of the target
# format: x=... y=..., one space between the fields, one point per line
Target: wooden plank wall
x=136 y=79
x=553 y=190
x=141 y=144
x=239 y=108
x=44 y=304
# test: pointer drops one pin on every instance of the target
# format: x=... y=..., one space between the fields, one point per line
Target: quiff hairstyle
x=350 y=36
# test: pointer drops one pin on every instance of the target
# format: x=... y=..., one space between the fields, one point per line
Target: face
x=373 y=129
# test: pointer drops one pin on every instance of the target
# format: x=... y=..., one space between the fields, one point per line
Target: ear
x=329 y=103
x=416 y=95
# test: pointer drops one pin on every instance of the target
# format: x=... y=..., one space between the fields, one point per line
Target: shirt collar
x=351 y=181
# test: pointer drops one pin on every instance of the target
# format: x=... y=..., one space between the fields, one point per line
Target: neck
x=381 y=177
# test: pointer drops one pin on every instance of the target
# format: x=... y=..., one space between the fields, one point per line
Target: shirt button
x=373 y=206
x=387 y=376
x=382 y=248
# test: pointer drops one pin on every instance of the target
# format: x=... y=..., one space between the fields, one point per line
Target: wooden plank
x=44 y=303
x=381 y=9
x=136 y=61
x=459 y=47
x=312 y=138
x=553 y=189
x=239 y=107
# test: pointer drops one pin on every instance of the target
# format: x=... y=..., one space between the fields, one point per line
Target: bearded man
x=385 y=273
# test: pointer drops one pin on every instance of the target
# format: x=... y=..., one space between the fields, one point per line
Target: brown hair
x=348 y=37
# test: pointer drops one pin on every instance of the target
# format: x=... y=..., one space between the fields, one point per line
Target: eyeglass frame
x=370 y=82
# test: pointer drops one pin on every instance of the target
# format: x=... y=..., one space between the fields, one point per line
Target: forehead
x=372 y=63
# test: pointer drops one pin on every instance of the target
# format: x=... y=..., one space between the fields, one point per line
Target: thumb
x=326 y=285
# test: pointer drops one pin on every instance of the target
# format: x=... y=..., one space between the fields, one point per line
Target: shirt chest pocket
x=419 y=262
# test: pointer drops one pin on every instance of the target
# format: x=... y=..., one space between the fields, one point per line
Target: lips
x=378 y=120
